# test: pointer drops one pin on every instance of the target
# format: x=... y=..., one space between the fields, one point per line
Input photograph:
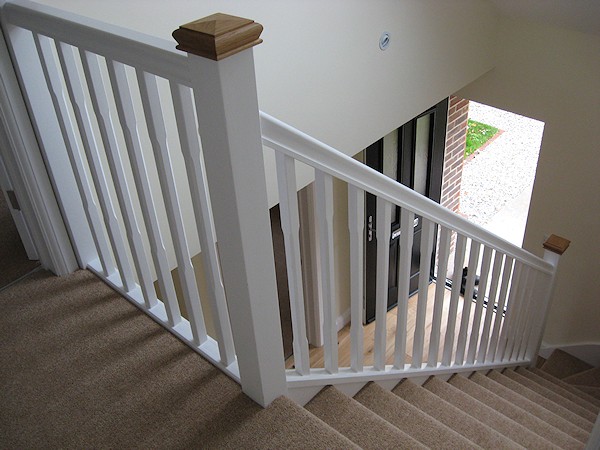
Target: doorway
x=414 y=156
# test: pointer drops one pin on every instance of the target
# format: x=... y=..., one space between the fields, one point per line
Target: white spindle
x=510 y=311
x=324 y=206
x=183 y=105
x=427 y=232
x=467 y=301
x=158 y=138
x=407 y=219
x=440 y=289
x=489 y=312
x=383 y=232
x=67 y=129
x=517 y=312
x=90 y=146
x=499 y=315
x=482 y=288
x=128 y=121
x=99 y=101
x=290 y=225
x=459 y=257
x=528 y=316
x=356 y=220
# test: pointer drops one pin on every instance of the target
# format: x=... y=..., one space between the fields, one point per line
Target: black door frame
x=405 y=174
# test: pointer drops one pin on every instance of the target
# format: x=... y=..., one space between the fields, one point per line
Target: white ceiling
x=578 y=15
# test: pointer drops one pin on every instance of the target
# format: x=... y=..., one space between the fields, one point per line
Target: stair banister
x=554 y=248
x=221 y=70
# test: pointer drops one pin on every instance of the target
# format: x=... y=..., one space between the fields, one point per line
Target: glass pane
x=390 y=155
x=421 y=154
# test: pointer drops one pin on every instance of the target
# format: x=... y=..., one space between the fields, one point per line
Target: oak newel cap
x=218 y=36
x=557 y=244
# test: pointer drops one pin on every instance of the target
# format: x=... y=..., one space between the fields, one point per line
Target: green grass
x=478 y=134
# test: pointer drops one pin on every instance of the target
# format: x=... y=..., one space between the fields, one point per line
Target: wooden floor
x=316 y=354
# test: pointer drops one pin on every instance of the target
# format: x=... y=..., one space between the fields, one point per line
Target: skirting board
x=590 y=353
x=342 y=320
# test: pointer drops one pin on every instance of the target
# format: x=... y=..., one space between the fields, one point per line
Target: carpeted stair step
x=561 y=364
x=551 y=395
x=539 y=362
x=358 y=423
x=530 y=406
x=558 y=390
x=410 y=419
x=451 y=416
x=557 y=409
x=519 y=415
x=571 y=388
x=591 y=391
x=483 y=413
x=81 y=367
x=590 y=377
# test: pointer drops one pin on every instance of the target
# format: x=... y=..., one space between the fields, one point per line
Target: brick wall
x=456 y=134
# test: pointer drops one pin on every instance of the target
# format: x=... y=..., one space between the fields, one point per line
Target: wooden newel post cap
x=218 y=36
x=556 y=244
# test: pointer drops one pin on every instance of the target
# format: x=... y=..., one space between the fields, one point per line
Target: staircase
x=83 y=368
x=543 y=407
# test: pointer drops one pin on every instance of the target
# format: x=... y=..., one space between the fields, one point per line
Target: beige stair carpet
x=561 y=364
x=410 y=419
x=541 y=381
x=530 y=406
x=535 y=397
x=83 y=368
x=504 y=425
x=454 y=418
x=552 y=395
x=591 y=391
x=571 y=388
x=519 y=415
x=357 y=423
x=590 y=377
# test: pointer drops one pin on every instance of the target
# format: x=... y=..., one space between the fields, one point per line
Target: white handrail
x=149 y=53
x=284 y=138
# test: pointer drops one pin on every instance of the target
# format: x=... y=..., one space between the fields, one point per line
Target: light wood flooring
x=317 y=357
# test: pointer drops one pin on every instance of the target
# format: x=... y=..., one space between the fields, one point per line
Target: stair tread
x=541 y=400
x=590 y=390
x=571 y=388
x=410 y=419
x=358 y=423
x=561 y=364
x=558 y=390
x=551 y=395
x=453 y=417
x=530 y=406
x=590 y=377
x=514 y=412
x=486 y=415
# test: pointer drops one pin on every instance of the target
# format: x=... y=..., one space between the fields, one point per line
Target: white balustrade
x=382 y=234
x=290 y=225
x=356 y=220
x=324 y=212
x=407 y=219
x=436 y=321
x=215 y=93
x=129 y=125
x=100 y=104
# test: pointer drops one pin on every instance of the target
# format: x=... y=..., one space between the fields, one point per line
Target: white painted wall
x=320 y=68
x=553 y=75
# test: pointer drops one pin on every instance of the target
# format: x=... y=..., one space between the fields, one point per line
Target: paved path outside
x=497 y=182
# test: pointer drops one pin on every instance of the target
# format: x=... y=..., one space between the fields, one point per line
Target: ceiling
x=578 y=15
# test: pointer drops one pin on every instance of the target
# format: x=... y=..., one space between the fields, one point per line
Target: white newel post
x=554 y=247
x=221 y=65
